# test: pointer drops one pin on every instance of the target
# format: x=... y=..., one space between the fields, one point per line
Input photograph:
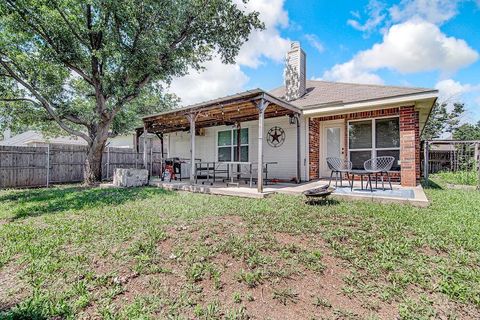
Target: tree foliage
x=467 y=131
x=443 y=121
x=88 y=66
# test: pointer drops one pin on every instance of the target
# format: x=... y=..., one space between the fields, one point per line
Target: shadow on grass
x=322 y=202
x=29 y=203
x=430 y=184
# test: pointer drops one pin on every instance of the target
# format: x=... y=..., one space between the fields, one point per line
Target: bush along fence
x=452 y=156
x=53 y=164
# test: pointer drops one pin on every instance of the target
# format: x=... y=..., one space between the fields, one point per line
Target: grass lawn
x=468 y=178
x=143 y=253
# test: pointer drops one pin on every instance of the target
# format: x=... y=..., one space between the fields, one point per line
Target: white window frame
x=373 y=150
x=232 y=144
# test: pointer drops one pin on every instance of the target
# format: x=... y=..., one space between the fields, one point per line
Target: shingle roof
x=325 y=92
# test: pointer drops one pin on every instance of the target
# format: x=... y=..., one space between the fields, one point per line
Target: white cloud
x=409 y=47
x=451 y=90
x=315 y=42
x=267 y=43
x=216 y=81
x=434 y=11
x=415 y=46
x=219 y=79
x=350 y=72
x=379 y=16
x=376 y=15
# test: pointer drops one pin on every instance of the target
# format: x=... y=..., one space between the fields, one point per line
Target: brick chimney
x=295 y=72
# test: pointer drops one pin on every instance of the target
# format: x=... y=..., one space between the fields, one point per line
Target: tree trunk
x=93 y=163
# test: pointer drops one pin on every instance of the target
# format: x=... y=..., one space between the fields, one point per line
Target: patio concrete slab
x=413 y=196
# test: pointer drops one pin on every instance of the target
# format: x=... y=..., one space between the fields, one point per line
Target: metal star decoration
x=275 y=137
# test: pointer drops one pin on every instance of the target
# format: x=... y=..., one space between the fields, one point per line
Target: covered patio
x=254 y=105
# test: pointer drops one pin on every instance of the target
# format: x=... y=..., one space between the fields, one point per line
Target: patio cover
x=223 y=111
x=246 y=106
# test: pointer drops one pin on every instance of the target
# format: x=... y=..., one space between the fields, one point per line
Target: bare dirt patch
x=12 y=288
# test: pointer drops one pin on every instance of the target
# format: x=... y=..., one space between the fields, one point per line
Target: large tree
x=84 y=62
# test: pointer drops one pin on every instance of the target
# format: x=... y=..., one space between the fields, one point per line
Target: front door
x=332 y=143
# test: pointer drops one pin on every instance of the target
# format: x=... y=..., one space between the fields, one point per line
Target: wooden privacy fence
x=41 y=166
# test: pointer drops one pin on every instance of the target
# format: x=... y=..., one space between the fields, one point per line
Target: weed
x=251 y=278
x=285 y=295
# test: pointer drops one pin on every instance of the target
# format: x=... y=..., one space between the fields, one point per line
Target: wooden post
x=238 y=153
x=299 y=178
x=160 y=136
x=48 y=165
x=162 y=157
x=261 y=115
x=426 y=155
x=192 y=117
x=145 y=155
x=151 y=159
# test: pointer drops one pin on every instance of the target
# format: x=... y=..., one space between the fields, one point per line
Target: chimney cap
x=295 y=45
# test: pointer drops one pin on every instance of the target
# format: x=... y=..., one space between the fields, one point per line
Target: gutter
x=340 y=106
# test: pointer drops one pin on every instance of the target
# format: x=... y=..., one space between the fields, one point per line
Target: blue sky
x=422 y=43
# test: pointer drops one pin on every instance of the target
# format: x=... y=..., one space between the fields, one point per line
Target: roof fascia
x=347 y=107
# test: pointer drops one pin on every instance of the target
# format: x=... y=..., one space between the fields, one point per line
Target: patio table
x=361 y=173
x=211 y=168
x=230 y=165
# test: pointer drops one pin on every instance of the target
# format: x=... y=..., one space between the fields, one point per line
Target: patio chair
x=338 y=166
x=380 y=165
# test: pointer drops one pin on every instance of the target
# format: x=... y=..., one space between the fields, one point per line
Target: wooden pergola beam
x=237 y=108
x=216 y=122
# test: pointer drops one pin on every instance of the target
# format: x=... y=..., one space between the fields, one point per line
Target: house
x=33 y=138
x=297 y=126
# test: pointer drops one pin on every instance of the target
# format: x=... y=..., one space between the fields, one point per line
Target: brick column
x=409 y=146
x=314 y=148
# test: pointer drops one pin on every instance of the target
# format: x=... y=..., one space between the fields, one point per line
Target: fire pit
x=318 y=194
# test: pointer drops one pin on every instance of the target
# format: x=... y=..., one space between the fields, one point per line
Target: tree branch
x=44 y=103
x=44 y=34
x=19 y=99
x=72 y=29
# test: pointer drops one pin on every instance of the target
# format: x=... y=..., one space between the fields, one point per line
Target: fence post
x=477 y=162
x=426 y=155
x=108 y=163
x=48 y=165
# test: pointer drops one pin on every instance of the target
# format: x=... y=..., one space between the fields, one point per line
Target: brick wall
x=409 y=146
x=314 y=150
x=409 y=140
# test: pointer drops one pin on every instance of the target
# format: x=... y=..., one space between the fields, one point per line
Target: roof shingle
x=325 y=92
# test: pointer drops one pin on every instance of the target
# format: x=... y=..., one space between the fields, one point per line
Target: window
x=374 y=138
x=227 y=145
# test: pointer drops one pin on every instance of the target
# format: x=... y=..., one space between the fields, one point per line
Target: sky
x=418 y=43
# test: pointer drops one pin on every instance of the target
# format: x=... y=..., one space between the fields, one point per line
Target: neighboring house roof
x=327 y=93
x=31 y=137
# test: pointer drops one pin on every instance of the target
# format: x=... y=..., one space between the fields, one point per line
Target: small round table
x=361 y=173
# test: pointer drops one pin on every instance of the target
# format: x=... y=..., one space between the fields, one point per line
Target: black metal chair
x=380 y=165
x=338 y=166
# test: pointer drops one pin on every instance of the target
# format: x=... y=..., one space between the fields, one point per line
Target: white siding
x=285 y=155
